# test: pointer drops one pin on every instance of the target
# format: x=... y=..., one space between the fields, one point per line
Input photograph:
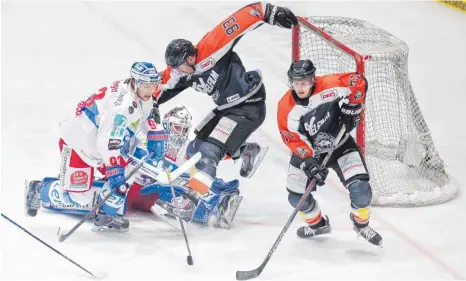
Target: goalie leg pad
x=54 y=198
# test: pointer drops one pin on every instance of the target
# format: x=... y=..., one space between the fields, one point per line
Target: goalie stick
x=250 y=274
x=189 y=257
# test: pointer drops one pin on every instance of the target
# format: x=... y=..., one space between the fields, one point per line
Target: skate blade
x=359 y=237
x=259 y=159
x=165 y=216
x=96 y=228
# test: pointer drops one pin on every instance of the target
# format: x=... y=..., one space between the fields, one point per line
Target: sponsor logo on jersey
x=79 y=179
x=207 y=64
x=114 y=144
x=119 y=100
x=114 y=86
x=131 y=110
x=233 y=98
x=65 y=162
x=322 y=142
x=206 y=87
x=328 y=95
x=135 y=124
x=313 y=127
x=119 y=127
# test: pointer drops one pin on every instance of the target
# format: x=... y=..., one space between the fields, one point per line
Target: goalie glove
x=350 y=116
x=280 y=16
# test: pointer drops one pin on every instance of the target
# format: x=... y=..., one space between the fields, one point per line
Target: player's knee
x=360 y=193
x=308 y=206
x=193 y=147
x=211 y=155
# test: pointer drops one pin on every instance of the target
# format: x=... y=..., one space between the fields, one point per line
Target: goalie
x=309 y=118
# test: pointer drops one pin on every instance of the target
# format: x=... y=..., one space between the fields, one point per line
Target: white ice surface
x=54 y=54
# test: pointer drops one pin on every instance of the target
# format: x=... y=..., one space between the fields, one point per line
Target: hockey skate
x=252 y=156
x=368 y=233
x=321 y=228
x=103 y=222
x=32 y=197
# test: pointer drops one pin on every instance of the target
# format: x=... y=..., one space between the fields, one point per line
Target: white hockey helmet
x=177 y=122
x=145 y=72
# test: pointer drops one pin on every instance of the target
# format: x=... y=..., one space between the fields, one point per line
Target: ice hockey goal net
x=405 y=168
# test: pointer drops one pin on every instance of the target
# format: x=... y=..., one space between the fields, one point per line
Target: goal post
x=405 y=168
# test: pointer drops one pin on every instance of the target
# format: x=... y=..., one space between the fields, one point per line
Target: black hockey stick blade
x=62 y=237
x=249 y=274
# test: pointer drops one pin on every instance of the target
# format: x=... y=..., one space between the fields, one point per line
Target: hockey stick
x=249 y=274
x=99 y=275
x=63 y=237
x=189 y=257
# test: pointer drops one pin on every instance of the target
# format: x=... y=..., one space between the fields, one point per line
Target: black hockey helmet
x=178 y=51
x=301 y=69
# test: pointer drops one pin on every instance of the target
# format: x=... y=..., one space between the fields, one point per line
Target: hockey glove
x=156 y=113
x=156 y=141
x=312 y=168
x=116 y=177
x=350 y=116
x=280 y=16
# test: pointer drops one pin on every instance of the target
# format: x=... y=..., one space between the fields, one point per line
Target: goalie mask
x=177 y=123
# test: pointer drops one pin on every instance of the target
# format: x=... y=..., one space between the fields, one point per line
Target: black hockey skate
x=103 y=222
x=32 y=197
x=252 y=155
x=367 y=233
x=321 y=228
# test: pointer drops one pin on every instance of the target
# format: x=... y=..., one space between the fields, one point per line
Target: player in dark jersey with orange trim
x=214 y=68
x=310 y=115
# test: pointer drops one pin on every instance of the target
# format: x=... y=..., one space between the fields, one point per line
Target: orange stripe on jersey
x=291 y=139
x=230 y=29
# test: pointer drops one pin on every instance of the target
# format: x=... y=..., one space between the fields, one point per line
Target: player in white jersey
x=98 y=136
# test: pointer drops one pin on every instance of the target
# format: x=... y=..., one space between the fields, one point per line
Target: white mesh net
x=405 y=168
